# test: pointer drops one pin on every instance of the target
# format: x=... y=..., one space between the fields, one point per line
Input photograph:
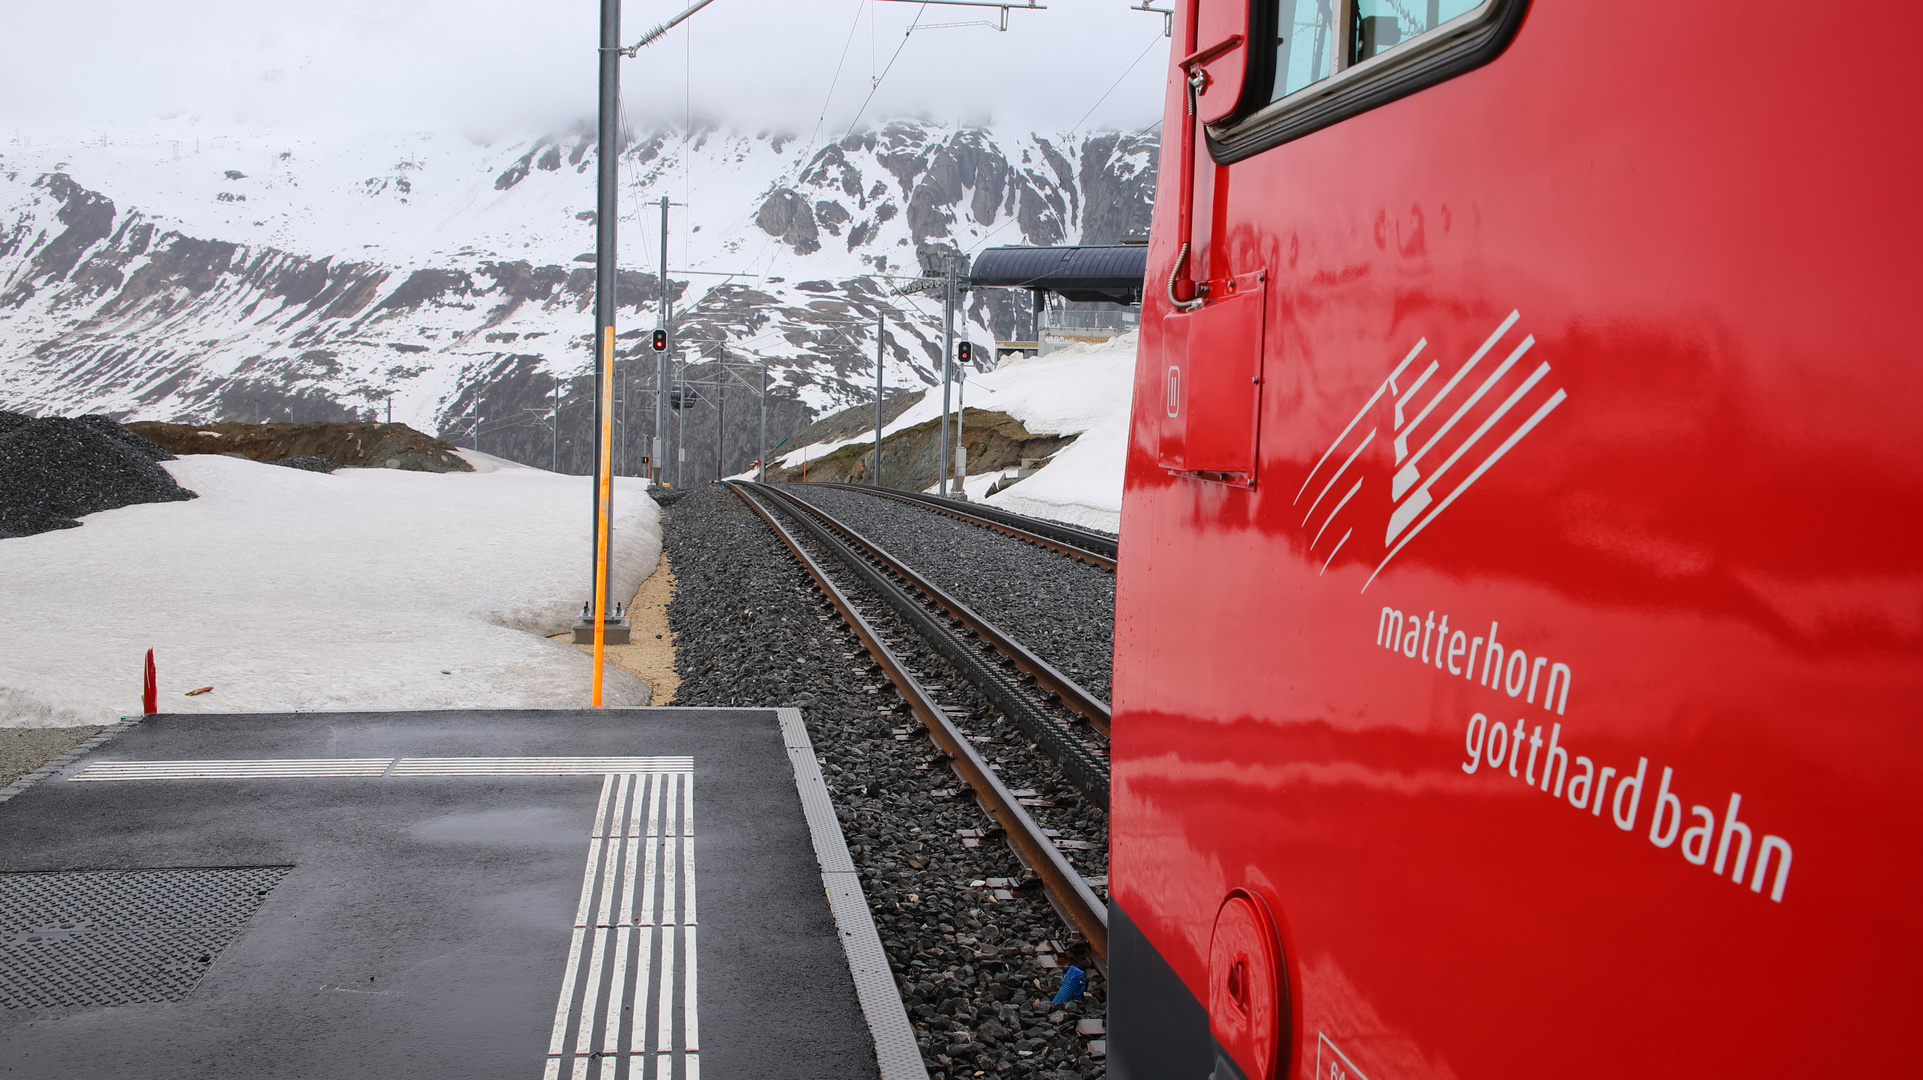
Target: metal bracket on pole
x=1005 y=7
x=1167 y=14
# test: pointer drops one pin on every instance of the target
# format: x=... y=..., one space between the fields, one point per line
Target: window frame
x=1464 y=43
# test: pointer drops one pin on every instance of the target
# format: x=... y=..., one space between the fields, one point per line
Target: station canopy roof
x=1109 y=273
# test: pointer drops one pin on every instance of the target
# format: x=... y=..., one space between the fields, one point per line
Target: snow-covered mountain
x=178 y=276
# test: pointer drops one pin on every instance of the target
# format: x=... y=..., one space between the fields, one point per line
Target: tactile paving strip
x=117 y=937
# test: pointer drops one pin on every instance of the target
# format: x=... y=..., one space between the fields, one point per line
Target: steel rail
x=1091 y=548
x=1085 y=767
x=1067 y=690
x=1065 y=889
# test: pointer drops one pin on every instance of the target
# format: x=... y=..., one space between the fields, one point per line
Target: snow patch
x=292 y=591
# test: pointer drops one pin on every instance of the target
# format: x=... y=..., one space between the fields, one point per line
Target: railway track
x=855 y=576
x=1065 y=689
x=1090 y=547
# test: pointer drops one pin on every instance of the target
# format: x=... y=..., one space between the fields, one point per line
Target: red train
x=1520 y=602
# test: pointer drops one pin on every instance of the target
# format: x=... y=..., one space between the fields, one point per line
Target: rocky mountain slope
x=201 y=278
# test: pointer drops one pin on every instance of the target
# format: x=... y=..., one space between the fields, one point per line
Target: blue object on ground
x=1074 y=982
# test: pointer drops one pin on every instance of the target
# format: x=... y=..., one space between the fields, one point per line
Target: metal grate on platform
x=118 y=937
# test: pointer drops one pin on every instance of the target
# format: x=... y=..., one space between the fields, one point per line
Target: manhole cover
x=116 y=937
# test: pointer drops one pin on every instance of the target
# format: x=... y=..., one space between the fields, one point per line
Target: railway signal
x=660 y=341
x=964 y=352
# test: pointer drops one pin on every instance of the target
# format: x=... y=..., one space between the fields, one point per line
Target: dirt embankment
x=361 y=445
x=910 y=458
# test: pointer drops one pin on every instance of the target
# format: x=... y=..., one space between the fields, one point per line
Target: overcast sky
x=490 y=67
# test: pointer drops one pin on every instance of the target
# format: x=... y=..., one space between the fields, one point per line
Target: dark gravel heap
x=55 y=469
x=1062 y=609
x=311 y=464
x=752 y=630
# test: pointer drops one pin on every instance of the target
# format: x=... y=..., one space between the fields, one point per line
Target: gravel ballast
x=55 y=469
x=22 y=750
x=1061 y=608
x=752 y=630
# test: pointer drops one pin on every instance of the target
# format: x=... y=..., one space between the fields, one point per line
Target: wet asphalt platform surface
x=420 y=919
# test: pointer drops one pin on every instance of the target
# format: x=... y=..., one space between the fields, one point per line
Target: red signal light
x=660 y=341
x=964 y=352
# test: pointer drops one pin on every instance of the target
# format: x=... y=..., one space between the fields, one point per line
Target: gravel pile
x=974 y=969
x=55 y=469
x=309 y=463
x=1059 y=607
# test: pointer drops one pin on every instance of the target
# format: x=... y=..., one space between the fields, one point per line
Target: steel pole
x=961 y=417
x=764 y=422
x=661 y=362
x=720 y=419
x=880 y=328
x=607 y=180
x=947 y=359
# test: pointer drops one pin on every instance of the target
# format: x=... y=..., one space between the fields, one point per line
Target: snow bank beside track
x=293 y=591
x=1082 y=390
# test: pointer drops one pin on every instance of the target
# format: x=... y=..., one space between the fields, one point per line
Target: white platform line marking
x=561 y=1011
x=668 y=852
x=299 y=768
x=594 y=848
x=664 y=987
x=591 y=997
x=664 y=993
x=690 y=1021
x=611 y=861
x=649 y=858
x=539 y=766
x=233 y=770
x=643 y=980
x=618 y=992
x=630 y=876
x=687 y=850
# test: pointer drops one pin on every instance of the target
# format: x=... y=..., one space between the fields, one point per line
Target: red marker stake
x=150 y=693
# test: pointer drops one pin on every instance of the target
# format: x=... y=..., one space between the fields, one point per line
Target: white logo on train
x=1455 y=435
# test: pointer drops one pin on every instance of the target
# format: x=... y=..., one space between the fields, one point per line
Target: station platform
x=620 y=893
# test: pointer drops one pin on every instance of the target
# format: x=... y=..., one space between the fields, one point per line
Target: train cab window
x=1302 y=44
x=1336 y=58
x=1383 y=24
x=1306 y=46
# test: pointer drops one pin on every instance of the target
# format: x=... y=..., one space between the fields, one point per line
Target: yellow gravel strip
x=651 y=656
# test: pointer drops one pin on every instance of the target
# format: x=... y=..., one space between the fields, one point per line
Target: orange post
x=605 y=478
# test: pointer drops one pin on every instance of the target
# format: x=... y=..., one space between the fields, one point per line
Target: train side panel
x=1553 y=680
